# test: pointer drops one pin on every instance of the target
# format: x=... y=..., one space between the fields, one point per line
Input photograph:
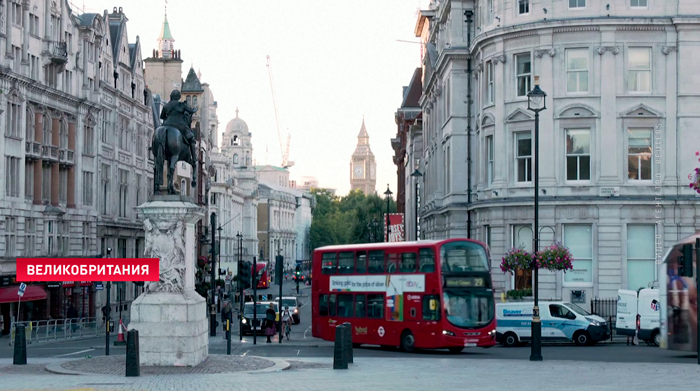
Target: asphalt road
x=302 y=344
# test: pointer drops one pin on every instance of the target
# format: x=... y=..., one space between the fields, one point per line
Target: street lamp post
x=219 y=254
x=212 y=313
x=536 y=103
x=241 y=299
x=388 y=194
x=416 y=174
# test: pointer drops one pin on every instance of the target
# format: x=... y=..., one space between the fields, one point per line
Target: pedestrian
x=270 y=316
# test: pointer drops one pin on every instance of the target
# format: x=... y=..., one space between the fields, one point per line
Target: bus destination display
x=465 y=282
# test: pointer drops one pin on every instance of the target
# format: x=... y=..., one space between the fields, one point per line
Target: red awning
x=33 y=292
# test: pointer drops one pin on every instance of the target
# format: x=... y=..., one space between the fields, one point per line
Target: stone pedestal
x=170 y=316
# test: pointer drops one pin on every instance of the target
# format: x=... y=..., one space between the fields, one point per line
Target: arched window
x=194 y=102
x=235 y=159
x=183 y=187
x=63 y=135
x=46 y=130
x=30 y=125
x=189 y=100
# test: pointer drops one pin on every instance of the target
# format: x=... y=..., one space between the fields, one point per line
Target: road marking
x=246 y=352
x=307 y=330
x=70 y=354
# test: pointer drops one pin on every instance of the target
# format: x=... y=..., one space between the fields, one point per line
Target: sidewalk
x=382 y=373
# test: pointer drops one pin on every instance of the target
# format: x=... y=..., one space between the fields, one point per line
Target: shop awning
x=33 y=292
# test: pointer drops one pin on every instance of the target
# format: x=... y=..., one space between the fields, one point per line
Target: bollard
x=20 y=357
x=133 y=359
x=339 y=355
x=348 y=342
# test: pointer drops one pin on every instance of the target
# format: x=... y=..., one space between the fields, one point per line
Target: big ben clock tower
x=363 y=168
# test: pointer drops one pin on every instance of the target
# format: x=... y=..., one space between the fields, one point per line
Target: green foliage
x=346 y=220
x=518 y=294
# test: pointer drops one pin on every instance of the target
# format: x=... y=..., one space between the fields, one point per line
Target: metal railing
x=57 y=329
x=606 y=308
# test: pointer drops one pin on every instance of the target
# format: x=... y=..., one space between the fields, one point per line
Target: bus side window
x=427 y=260
x=431 y=307
x=331 y=306
x=345 y=306
x=376 y=262
x=323 y=305
x=391 y=263
x=346 y=263
x=329 y=263
x=360 y=306
x=375 y=306
x=408 y=263
x=361 y=262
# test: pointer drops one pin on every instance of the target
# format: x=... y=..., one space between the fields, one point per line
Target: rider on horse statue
x=175 y=114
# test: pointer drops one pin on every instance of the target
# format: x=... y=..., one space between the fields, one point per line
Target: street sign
x=99 y=286
x=299 y=262
x=22 y=288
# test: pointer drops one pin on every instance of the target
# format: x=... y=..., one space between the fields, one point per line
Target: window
x=346 y=263
x=105 y=189
x=121 y=248
x=523 y=71
x=29 y=131
x=487 y=235
x=323 y=305
x=579 y=240
x=151 y=186
x=489 y=160
x=431 y=307
x=332 y=305
x=578 y=155
x=639 y=70
x=89 y=140
x=427 y=260
x=10 y=236
x=17 y=14
x=33 y=25
x=577 y=3
x=68 y=82
x=46 y=183
x=375 y=306
x=29 y=180
x=638 y=3
x=463 y=256
x=63 y=237
x=87 y=187
x=489 y=83
x=468 y=309
x=17 y=57
x=86 y=238
x=139 y=141
x=641 y=264
x=577 y=70
x=360 y=306
x=361 y=262
x=50 y=237
x=46 y=131
x=523 y=157
x=235 y=159
x=29 y=236
x=62 y=135
x=12 y=176
x=62 y=185
x=639 y=154
x=523 y=7
x=391 y=263
x=105 y=127
x=447 y=99
x=183 y=187
x=345 y=306
x=376 y=262
x=123 y=193
x=559 y=311
x=124 y=134
x=138 y=189
x=13 y=120
x=407 y=263
x=329 y=263
x=522 y=239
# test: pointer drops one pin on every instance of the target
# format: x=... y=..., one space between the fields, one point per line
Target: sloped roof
x=363 y=130
x=115 y=34
x=132 y=54
x=192 y=83
x=165 y=30
x=87 y=19
x=415 y=89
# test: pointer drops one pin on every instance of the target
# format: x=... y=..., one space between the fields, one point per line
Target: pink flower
x=697 y=153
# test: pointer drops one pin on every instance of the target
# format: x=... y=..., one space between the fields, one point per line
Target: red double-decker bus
x=427 y=294
x=264 y=281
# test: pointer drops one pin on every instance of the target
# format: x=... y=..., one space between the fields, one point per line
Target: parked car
x=561 y=321
x=645 y=307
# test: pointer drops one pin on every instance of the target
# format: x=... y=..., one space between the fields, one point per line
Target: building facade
x=616 y=140
x=363 y=168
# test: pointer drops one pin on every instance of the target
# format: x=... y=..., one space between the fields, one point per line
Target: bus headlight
x=492 y=332
x=446 y=332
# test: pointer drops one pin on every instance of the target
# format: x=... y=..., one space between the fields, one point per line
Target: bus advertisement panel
x=427 y=294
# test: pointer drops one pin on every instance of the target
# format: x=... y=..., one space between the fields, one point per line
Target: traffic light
x=244 y=274
x=297 y=272
x=685 y=262
x=279 y=269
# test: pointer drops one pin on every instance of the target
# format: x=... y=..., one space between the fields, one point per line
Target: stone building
x=363 y=168
x=616 y=140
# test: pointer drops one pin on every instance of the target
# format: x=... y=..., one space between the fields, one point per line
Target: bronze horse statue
x=168 y=145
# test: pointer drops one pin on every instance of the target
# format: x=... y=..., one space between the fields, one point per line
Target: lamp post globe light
x=388 y=194
x=536 y=103
x=416 y=175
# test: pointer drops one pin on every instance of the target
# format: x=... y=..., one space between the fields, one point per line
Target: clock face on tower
x=358 y=171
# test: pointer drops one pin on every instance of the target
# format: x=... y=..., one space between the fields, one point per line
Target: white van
x=561 y=321
x=647 y=306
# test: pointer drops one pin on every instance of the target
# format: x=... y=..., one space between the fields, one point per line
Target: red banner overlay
x=87 y=269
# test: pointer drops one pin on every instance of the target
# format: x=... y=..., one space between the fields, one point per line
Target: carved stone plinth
x=170 y=316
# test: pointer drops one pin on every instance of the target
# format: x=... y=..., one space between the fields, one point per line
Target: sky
x=333 y=63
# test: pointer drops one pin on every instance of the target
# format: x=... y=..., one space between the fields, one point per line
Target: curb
x=279 y=365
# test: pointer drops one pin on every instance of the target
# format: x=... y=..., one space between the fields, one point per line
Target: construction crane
x=285 y=153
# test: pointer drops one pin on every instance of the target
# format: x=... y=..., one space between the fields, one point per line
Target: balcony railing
x=59 y=52
x=32 y=150
x=65 y=157
x=49 y=152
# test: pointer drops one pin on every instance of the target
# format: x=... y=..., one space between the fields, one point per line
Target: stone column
x=71 y=171
x=55 y=178
x=609 y=173
x=38 y=138
x=25 y=38
x=170 y=316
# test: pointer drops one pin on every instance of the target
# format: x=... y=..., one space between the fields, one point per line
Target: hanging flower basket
x=555 y=257
x=694 y=177
x=516 y=259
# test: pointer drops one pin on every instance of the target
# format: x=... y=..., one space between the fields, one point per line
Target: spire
x=165 y=30
x=363 y=130
x=237 y=114
x=165 y=41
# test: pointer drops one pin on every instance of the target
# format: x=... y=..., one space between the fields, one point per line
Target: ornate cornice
x=499 y=57
x=641 y=28
x=576 y=29
x=541 y=52
x=480 y=67
x=519 y=35
x=668 y=49
x=611 y=49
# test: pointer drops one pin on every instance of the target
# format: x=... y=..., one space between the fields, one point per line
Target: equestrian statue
x=173 y=141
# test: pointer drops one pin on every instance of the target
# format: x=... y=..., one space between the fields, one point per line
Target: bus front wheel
x=408 y=342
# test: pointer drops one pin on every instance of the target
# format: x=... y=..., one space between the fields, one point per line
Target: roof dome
x=237 y=125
